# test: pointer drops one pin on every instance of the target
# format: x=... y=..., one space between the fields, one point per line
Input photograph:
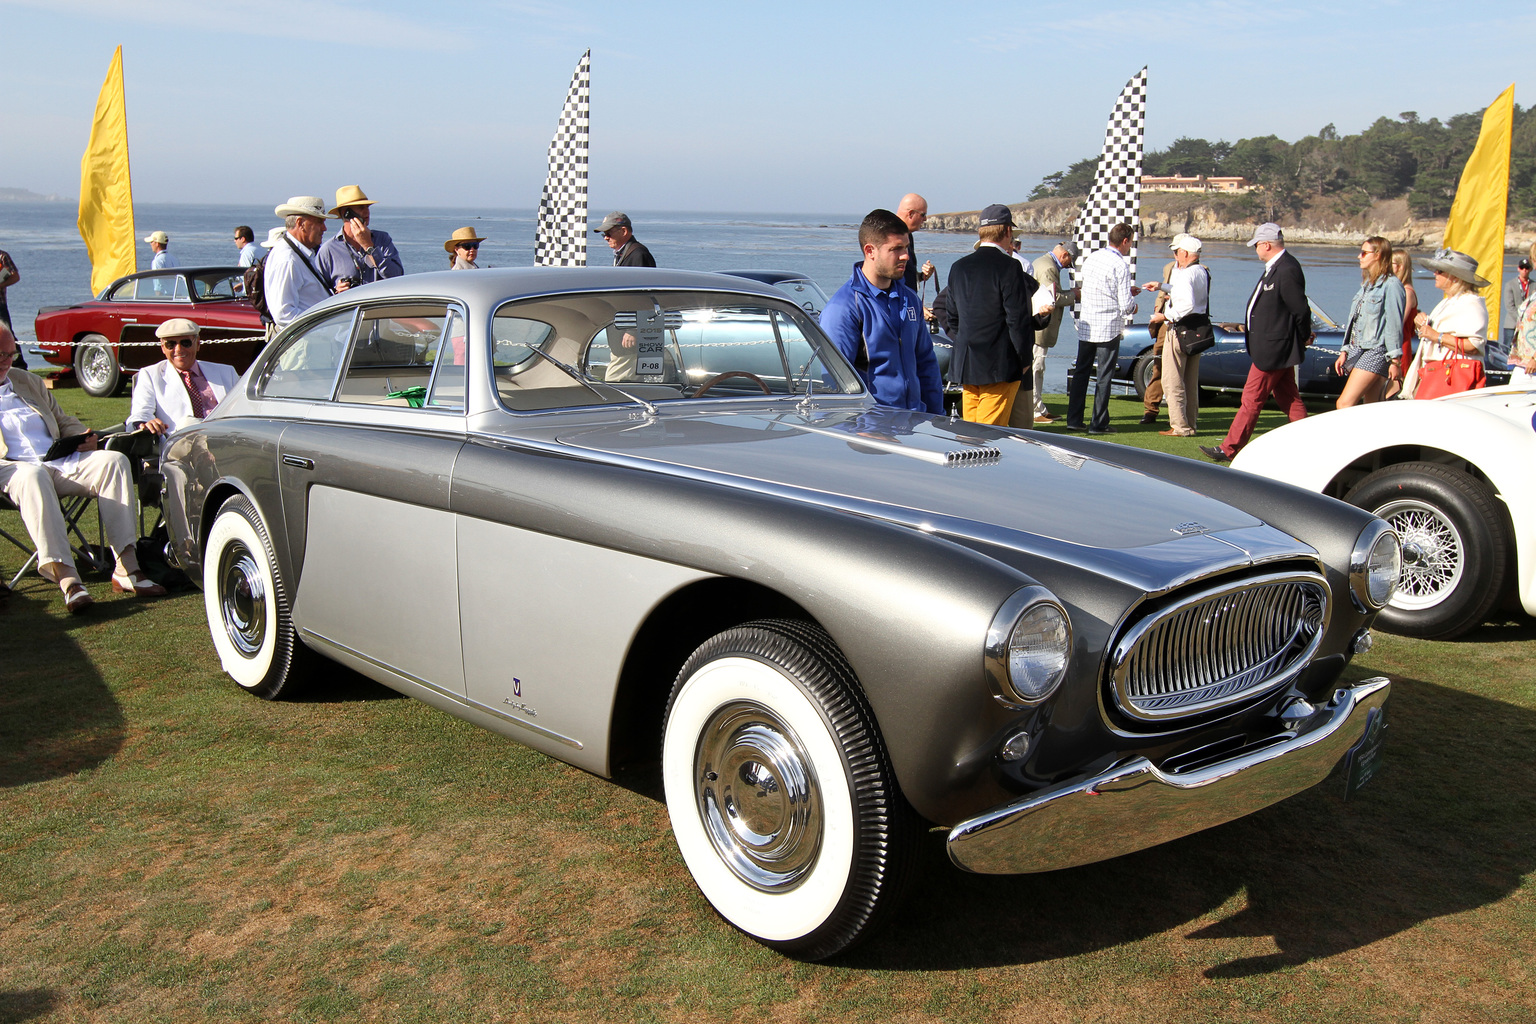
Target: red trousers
x=1256 y=391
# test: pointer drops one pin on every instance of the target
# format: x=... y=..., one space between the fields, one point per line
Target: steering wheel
x=727 y=375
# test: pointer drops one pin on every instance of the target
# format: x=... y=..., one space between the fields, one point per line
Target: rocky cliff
x=1165 y=214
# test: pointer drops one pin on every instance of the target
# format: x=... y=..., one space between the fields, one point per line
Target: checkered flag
x=1116 y=195
x=561 y=238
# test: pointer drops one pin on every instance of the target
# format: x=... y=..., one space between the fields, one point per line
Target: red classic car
x=106 y=338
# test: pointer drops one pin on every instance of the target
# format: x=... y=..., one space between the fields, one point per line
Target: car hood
x=964 y=480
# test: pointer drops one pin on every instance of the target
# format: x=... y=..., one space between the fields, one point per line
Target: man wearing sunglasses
x=180 y=389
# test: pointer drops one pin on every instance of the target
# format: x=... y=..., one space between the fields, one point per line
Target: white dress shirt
x=289 y=286
x=1188 y=291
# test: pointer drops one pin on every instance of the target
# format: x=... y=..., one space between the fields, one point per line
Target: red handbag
x=1449 y=377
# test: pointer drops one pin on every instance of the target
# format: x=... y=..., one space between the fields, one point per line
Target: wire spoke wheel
x=1456 y=546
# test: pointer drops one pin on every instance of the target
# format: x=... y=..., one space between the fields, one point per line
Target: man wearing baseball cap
x=291 y=282
x=619 y=233
x=990 y=316
x=159 y=241
x=1279 y=331
x=1184 y=305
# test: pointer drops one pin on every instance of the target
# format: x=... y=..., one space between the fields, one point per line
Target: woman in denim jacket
x=1373 y=339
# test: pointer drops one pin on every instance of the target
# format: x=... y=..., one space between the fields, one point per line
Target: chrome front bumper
x=1136 y=805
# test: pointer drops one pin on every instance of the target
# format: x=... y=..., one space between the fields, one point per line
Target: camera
x=350 y=282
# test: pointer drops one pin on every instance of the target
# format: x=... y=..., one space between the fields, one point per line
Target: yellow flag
x=106 y=197
x=1476 y=224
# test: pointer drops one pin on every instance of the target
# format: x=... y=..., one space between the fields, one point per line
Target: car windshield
x=806 y=293
x=1321 y=321
x=659 y=346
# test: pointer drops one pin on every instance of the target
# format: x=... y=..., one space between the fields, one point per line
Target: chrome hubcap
x=243 y=599
x=1442 y=554
x=758 y=796
x=96 y=366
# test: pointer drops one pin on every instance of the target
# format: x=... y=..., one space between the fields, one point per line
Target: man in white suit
x=181 y=389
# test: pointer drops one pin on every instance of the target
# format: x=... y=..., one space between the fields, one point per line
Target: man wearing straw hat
x=357 y=254
x=464 y=246
x=291 y=282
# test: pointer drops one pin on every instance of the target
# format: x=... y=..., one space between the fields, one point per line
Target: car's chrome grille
x=1219 y=646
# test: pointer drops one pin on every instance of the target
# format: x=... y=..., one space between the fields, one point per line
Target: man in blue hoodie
x=876 y=321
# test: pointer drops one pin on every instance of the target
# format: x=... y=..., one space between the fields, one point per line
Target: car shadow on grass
x=1444 y=828
x=16 y=1007
x=334 y=683
x=57 y=715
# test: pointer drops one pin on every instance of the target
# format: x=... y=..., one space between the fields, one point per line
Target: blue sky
x=782 y=107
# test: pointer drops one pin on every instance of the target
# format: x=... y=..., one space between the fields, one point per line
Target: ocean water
x=43 y=240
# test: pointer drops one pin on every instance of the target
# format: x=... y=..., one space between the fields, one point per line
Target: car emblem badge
x=1186 y=529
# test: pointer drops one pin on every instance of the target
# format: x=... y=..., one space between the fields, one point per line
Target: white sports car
x=1454 y=477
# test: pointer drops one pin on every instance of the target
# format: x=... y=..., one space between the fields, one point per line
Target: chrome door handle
x=299 y=461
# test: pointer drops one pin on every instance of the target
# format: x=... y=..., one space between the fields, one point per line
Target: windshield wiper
x=582 y=380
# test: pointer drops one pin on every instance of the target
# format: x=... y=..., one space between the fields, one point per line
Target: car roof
x=493 y=286
x=184 y=270
x=768 y=276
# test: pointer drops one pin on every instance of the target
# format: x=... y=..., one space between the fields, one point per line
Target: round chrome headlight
x=1376 y=566
x=1029 y=647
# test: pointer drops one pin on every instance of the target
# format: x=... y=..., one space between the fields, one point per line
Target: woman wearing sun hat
x=1452 y=335
x=462 y=249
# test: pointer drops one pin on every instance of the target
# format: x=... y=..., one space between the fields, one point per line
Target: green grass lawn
x=172 y=849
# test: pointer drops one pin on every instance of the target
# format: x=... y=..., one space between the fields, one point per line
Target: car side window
x=394 y=351
x=217 y=286
x=305 y=367
x=448 y=379
x=159 y=288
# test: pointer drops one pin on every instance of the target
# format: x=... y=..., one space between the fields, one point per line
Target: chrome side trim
x=324 y=644
x=1136 y=805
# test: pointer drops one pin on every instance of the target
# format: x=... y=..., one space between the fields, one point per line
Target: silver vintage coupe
x=628 y=514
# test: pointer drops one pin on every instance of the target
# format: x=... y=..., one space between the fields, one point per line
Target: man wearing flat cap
x=357 y=254
x=292 y=282
x=181 y=388
x=990 y=316
x=619 y=233
x=1279 y=331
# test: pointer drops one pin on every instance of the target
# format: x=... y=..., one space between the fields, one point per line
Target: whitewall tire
x=781 y=798
x=247 y=607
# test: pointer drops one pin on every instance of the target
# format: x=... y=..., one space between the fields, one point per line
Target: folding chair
x=96 y=557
